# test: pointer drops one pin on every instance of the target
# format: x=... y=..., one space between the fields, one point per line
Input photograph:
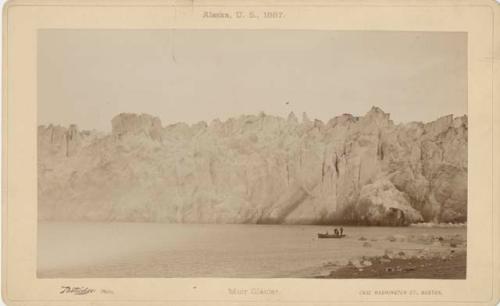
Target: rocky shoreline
x=452 y=266
x=440 y=257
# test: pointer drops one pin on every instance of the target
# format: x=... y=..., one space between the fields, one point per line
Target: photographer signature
x=83 y=290
x=76 y=290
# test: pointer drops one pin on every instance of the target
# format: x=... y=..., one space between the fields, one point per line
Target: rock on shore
x=257 y=169
x=451 y=266
x=433 y=256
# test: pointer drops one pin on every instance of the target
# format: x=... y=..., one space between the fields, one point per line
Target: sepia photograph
x=233 y=153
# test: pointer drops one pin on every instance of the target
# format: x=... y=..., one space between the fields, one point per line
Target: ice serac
x=257 y=169
x=145 y=124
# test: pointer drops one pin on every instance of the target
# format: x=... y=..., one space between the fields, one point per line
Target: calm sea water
x=79 y=250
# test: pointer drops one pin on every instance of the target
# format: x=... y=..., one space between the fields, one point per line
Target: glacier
x=256 y=168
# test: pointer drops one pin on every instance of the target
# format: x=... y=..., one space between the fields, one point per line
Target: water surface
x=79 y=250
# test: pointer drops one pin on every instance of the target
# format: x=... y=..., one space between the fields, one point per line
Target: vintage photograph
x=231 y=153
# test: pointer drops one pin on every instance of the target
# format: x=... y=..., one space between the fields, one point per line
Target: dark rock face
x=257 y=169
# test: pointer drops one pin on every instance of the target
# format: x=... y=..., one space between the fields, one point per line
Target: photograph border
x=494 y=121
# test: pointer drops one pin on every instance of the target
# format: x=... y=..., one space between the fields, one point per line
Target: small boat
x=330 y=236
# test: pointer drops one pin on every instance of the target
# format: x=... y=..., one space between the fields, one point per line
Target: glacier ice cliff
x=256 y=169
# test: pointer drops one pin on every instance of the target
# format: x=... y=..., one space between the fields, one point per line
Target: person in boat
x=341 y=231
x=336 y=232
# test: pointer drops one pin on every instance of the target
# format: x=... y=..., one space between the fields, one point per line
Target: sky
x=86 y=77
